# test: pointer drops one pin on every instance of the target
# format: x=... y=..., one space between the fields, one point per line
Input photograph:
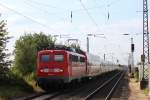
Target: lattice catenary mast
x=145 y=55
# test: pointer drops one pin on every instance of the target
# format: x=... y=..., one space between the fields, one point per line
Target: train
x=62 y=64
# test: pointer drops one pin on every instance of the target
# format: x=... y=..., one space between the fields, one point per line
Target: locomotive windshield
x=59 y=58
x=45 y=58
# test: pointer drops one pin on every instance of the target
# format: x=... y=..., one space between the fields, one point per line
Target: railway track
x=43 y=96
x=85 y=91
x=106 y=90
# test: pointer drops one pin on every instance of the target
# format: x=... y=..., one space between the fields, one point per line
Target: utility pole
x=145 y=55
x=87 y=44
x=132 y=57
x=129 y=62
x=104 y=56
x=87 y=39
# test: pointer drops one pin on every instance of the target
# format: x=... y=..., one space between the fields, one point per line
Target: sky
x=112 y=18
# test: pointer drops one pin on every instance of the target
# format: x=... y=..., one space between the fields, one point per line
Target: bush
x=26 y=49
x=136 y=74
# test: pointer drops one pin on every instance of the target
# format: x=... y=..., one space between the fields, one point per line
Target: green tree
x=26 y=49
x=4 y=62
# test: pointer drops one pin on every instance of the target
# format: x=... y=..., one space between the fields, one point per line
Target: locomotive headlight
x=41 y=70
x=57 y=70
x=45 y=70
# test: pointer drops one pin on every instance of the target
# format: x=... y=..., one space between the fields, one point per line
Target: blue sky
x=88 y=17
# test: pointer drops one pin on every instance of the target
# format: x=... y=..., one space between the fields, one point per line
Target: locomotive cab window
x=45 y=58
x=59 y=58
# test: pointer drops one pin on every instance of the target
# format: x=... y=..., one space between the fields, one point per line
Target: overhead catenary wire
x=113 y=2
x=41 y=24
x=37 y=7
x=48 y=5
x=27 y=17
x=73 y=10
x=45 y=5
x=68 y=10
x=110 y=4
x=71 y=16
x=92 y=19
x=45 y=11
x=62 y=9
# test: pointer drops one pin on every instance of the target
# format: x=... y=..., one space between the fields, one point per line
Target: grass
x=136 y=77
x=30 y=81
x=18 y=87
x=9 y=92
x=146 y=91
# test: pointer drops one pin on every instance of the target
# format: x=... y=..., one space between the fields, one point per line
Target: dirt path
x=135 y=92
x=129 y=90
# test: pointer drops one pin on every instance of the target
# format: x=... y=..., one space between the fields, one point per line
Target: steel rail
x=41 y=95
x=56 y=94
x=32 y=96
x=53 y=96
x=88 y=97
x=114 y=87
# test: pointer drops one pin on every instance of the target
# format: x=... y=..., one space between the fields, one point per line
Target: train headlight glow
x=45 y=70
x=58 y=70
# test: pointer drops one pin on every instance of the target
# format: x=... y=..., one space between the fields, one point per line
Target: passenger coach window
x=82 y=59
x=74 y=58
x=59 y=58
x=45 y=58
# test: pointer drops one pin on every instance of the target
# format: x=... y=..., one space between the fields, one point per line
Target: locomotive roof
x=61 y=47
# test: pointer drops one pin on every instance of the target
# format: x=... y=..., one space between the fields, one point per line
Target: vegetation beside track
x=17 y=77
x=14 y=86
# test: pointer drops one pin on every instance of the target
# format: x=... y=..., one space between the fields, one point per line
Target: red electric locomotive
x=60 y=65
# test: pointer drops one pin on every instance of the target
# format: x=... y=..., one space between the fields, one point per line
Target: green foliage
x=26 y=49
x=4 y=62
x=136 y=74
x=14 y=87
